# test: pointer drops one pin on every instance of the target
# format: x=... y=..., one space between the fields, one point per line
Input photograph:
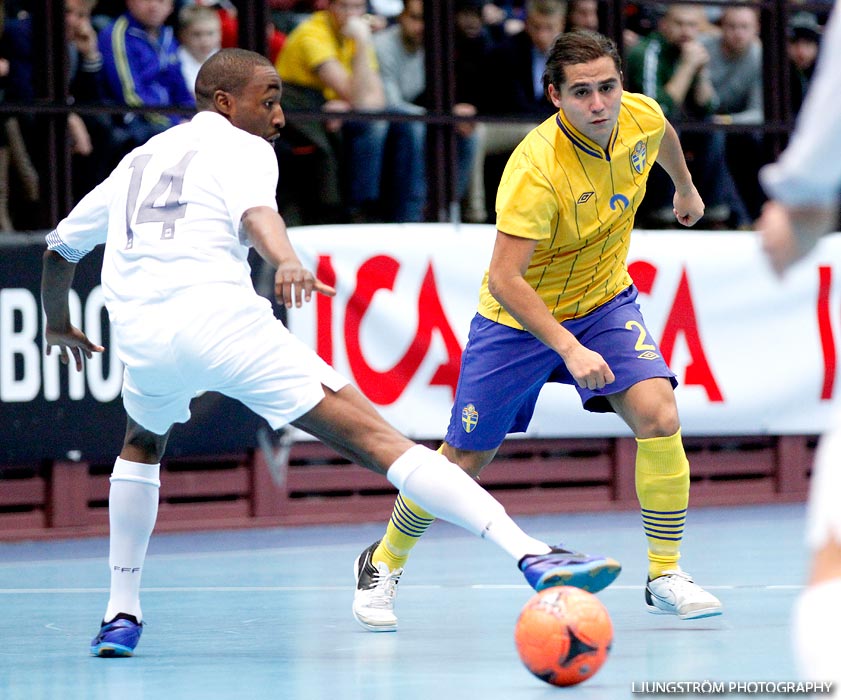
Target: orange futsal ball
x=563 y=635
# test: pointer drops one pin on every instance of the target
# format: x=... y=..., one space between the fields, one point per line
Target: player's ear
x=554 y=95
x=222 y=102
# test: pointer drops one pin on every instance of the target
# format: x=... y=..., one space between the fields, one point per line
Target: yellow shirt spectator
x=310 y=45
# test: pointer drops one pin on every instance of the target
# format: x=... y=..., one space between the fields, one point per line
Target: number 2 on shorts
x=640 y=344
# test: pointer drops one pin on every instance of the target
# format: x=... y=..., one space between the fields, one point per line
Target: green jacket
x=649 y=66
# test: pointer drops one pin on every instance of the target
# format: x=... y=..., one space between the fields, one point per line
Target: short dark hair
x=229 y=70
x=579 y=46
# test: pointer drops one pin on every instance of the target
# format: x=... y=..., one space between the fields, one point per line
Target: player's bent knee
x=472 y=462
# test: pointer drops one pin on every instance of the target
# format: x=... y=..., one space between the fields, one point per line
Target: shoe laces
x=383 y=586
x=677 y=580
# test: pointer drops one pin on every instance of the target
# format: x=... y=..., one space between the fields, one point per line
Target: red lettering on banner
x=682 y=319
x=324 y=310
x=825 y=330
x=643 y=274
x=386 y=387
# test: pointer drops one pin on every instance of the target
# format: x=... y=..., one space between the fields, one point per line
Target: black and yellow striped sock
x=407 y=524
x=662 y=482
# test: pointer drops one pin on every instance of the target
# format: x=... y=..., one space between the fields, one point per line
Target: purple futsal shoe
x=562 y=567
x=118 y=637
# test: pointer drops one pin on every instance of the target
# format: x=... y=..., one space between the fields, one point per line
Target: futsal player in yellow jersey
x=557 y=305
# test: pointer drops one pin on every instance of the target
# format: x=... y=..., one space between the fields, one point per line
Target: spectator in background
x=200 y=36
x=804 y=40
x=582 y=14
x=402 y=59
x=22 y=131
x=514 y=80
x=736 y=74
x=140 y=60
x=90 y=136
x=671 y=65
x=328 y=63
x=227 y=12
x=473 y=44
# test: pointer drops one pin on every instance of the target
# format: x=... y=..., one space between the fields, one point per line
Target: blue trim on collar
x=583 y=145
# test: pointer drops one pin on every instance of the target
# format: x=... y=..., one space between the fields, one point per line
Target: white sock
x=132 y=511
x=817 y=632
x=442 y=489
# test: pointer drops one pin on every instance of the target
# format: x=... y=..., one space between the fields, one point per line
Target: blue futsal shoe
x=118 y=637
x=562 y=567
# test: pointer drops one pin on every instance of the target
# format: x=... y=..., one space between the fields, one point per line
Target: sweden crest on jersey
x=638 y=157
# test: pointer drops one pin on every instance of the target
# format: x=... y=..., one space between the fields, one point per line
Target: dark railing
x=51 y=88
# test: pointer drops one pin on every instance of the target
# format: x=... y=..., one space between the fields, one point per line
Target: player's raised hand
x=294 y=284
x=588 y=368
x=789 y=233
x=71 y=342
x=688 y=206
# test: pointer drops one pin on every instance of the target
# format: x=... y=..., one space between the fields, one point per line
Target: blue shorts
x=503 y=370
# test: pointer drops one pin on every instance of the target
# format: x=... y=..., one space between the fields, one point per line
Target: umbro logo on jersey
x=648 y=355
x=584 y=197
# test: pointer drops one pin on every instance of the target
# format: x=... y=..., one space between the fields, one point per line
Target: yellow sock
x=662 y=481
x=407 y=524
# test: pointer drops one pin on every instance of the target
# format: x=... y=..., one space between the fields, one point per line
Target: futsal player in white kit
x=804 y=187
x=177 y=217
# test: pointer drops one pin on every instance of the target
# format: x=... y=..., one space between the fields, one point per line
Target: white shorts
x=229 y=342
x=824 y=511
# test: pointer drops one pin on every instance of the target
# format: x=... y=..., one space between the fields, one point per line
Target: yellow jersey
x=578 y=201
x=309 y=46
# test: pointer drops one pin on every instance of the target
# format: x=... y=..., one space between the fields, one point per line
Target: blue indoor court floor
x=258 y=614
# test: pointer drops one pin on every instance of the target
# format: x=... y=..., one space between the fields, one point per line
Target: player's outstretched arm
x=294 y=284
x=56 y=280
x=688 y=205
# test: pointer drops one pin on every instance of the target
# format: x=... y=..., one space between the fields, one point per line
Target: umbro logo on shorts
x=648 y=355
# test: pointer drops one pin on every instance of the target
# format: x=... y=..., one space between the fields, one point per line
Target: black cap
x=804 y=25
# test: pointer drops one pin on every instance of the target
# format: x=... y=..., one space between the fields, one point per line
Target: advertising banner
x=753 y=354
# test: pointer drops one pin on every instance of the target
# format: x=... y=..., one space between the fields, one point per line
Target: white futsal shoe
x=675 y=593
x=376 y=589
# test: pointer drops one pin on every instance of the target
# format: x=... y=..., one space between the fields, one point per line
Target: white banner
x=753 y=354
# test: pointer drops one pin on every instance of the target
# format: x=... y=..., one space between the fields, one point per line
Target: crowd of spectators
x=345 y=62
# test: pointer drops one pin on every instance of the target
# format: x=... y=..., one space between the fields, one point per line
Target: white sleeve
x=809 y=170
x=86 y=226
